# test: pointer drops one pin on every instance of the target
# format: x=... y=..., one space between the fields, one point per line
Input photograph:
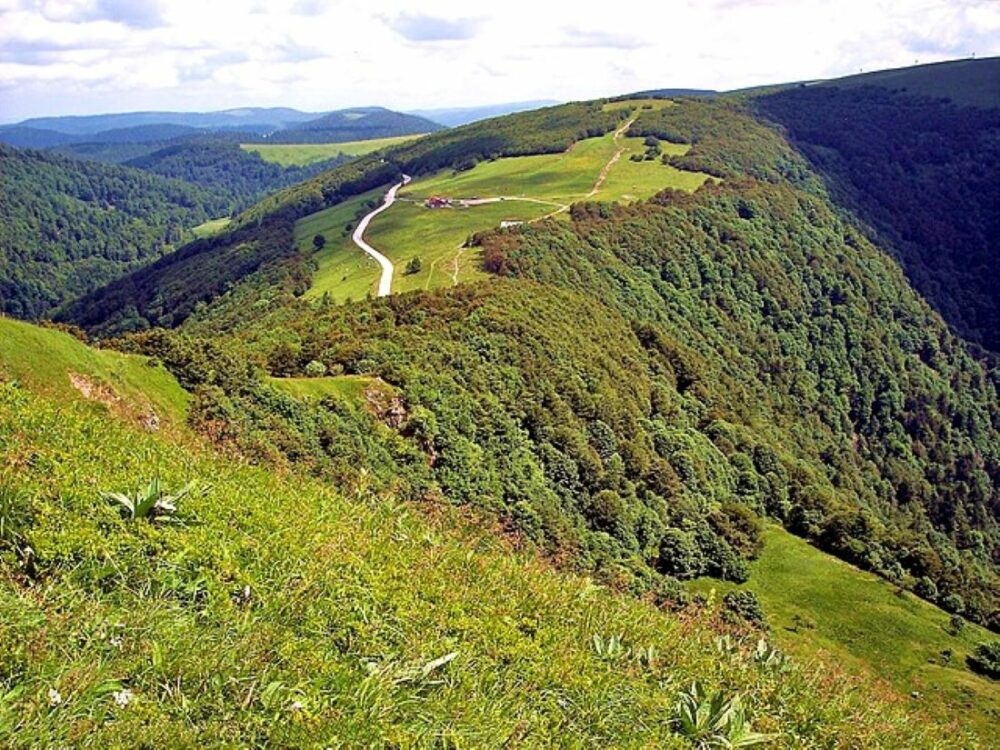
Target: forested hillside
x=745 y=348
x=354 y=124
x=924 y=173
x=70 y=226
x=226 y=169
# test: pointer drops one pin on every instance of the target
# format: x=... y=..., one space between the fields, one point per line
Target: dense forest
x=643 y=385
x=243 y=176
x=68 y=226
x=925 y=174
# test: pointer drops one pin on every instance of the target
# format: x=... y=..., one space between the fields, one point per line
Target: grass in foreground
x=276 y=611
x=815 y=602
x=302 y=154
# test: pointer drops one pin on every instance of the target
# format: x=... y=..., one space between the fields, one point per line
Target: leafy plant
x=714 y=722
x=768 y=657
x=610 y=648
x=153 y=503
x=986 y=659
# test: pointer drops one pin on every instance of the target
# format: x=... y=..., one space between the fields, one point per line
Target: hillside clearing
x=60 y=366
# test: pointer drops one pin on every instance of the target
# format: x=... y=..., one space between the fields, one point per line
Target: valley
x=665 y=419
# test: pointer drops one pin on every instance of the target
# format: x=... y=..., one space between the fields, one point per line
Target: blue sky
x=90 y=56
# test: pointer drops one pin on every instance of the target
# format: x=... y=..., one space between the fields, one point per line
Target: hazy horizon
x=83 y=57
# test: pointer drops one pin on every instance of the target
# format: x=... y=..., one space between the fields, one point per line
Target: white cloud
x=77 y=56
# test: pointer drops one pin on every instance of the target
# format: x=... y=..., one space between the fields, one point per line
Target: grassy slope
x=437 y=236
x=862 y=623
x=301 y=154
x=409 y=230
x=346 y=386
x=278 y=613
x=344 y=271
x=43 y=358
x=211 y=227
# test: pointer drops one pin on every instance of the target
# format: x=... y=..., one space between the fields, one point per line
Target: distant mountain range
x=248 y=124
x=275 y=125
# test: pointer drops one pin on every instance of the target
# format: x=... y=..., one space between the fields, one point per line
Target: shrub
x=319 y=241
x=953 y=603
x=413 y=266
x=986 y=659
x=926 y=589
x=742 y=607
x=680 y=556
x=315 y=369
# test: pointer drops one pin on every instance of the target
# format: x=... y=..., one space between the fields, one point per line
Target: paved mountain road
x=385 y=282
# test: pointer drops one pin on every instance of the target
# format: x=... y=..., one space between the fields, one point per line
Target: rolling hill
x=358 y=123
x=654 y=348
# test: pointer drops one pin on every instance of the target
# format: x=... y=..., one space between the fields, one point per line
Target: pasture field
x=561 y=178
x=301 y=154
x=631 y=181
x=45 y=359
x=211 y=227
x=647 y=103
x=345 y=272
x=437 y=236
x=816 y=603
x=532 y=186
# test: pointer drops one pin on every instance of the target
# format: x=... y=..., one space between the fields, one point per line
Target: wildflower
x=116 y=641
x=55 y=697
x=122 y=697
x=296 y=706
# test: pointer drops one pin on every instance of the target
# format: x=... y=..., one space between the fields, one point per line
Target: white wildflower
x=122 y=697
x=116 y=641
x=296 y=706
x=55 y=697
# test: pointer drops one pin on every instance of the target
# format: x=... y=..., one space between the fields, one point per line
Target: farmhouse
x=436 y=201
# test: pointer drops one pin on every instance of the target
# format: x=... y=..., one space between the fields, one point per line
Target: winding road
x=385 y=282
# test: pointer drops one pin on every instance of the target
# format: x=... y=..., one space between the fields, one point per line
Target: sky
x=93 y=56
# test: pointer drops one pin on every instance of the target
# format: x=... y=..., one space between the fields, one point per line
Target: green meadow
x=49 y=360
x=301 y=154
x=638 y=104
x=344 y=271
x=816 y=603
x=438 y=237
x=351 y=387
x=211 y=227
